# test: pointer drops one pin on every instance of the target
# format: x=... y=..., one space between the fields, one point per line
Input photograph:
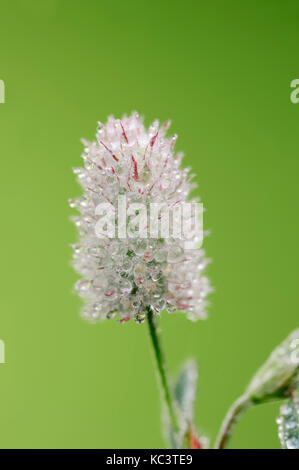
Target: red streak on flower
x=153 y=139
x=106 y=197
x=110 y=151
x=176 y=202
x=110 y=293
x=90 y=189
x=123 y=320
x=124 y=132
x=150 y=189
x=163 y=168
x=136 y=176
x=166 y=124
x=183 y=306
x=113 y=171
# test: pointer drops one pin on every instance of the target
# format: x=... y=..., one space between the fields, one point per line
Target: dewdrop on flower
x=123 y=276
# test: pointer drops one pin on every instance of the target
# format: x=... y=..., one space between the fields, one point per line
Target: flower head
x=127 y=269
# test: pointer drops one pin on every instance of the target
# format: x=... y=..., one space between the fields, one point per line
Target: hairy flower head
x=127 y=271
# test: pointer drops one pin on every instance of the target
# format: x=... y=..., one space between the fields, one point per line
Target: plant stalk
x=232 y=417
x=162 y=369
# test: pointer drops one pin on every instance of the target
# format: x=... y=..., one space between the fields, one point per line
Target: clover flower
x=125 y=276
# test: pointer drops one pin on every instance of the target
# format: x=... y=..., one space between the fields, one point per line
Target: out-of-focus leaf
x=185 y=389
x=185 y=394
x=288 y=424
x=279 y=375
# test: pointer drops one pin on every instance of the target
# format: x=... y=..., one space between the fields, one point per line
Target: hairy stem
x=162 y=369
x=231 y=419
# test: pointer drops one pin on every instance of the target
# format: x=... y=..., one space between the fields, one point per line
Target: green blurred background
x=221 y=71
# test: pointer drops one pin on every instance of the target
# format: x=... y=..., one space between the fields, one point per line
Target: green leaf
x=279 y=375
x=185 y=389
x=288 y=424
x=184 y=392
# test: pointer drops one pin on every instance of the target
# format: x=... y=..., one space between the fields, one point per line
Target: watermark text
x=2 y=352
x=182 y=220
x=2 y=91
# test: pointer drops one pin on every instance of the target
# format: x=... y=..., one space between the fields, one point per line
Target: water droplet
x=159 y=304
x=77 y=248
x=292 y=443
x=110 y=294
x=83 y=286
x=140 y=317
x=140 y=270
x=110 y=315
x=127 y=266
x=161 y=255
x=72 y=203
x=89 y=164
x=139 y=247
x=136 y=303
x=171 y=308
x=291 y=425
x=95 y=251
x=83 y=201
x=286 y=410
x=155 y=275
x=148 y=256
x=125 y=286
x=175 y=254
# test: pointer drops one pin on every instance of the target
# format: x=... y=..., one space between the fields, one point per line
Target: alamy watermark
x=2 y=91
x=2 y=352
x=294 y=96
x=181 y=220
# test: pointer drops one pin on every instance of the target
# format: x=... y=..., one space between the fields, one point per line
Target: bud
x=279 y=375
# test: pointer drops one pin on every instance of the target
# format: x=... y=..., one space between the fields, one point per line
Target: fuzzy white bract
x=123 y=277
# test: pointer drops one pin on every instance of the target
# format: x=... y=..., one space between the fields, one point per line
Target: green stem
x=232 y=417
x=162 y=369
